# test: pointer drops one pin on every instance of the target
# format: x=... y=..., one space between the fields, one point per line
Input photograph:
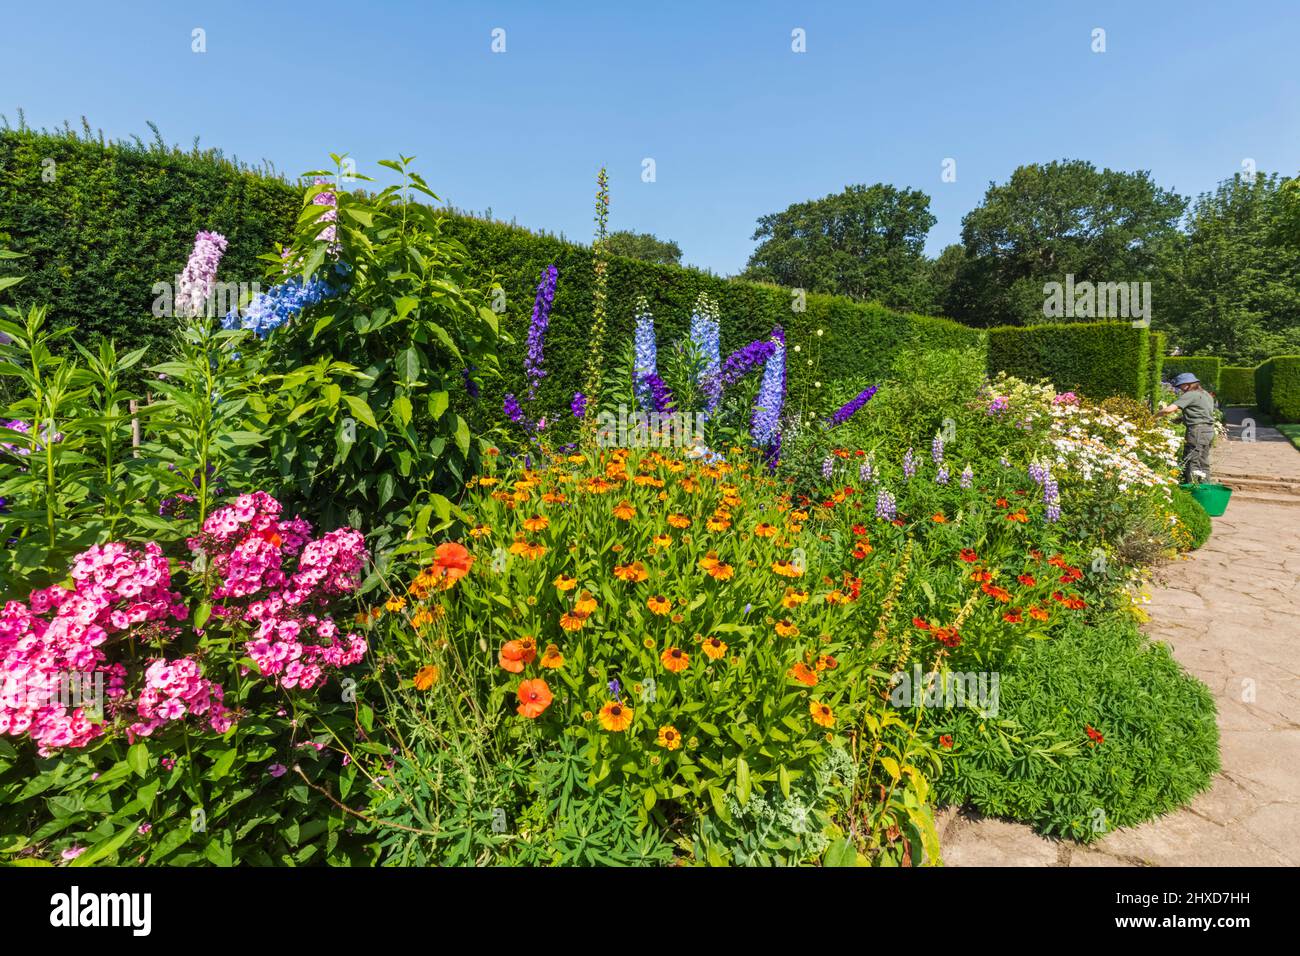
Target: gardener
x=1197 y=407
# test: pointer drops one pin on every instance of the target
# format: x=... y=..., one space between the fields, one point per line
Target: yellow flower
x=616 y=717
x=624 y=511
x=536 y=523
x=714 y=648
x=765 y=530
x=675 y=659
x=709 y=561
x=480 y=531
x=552 y=657
x=722 y=572
x=426 y=677
x=679 y=520
x=394 y=603
x=572 y=621
x=793 y=598
x=669 y=738
x=821 y=714
x=786 y=569
x=585 y=603
x=658 y=604
x=787 y=628
x=717 y=524
x=633 y=573
x=663 y=540
x=565 y=583
x=528 y=549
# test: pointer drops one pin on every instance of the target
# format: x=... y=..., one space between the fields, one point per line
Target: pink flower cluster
x=294 y=638
x=174 y=690
x=59 y=635
x=195 y=284
x=327 y=198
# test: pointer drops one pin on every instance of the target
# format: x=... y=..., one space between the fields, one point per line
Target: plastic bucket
x=1213 y=498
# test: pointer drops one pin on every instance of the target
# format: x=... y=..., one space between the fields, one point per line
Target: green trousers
x=1197 y=442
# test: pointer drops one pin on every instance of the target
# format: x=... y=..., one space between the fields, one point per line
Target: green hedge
x=1155 y=365
x=1205 y=367
x=1236 y=385
x=118 y=218
x=1277 y=387
x=1097 y=359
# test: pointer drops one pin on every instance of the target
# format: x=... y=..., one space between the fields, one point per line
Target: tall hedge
x=100 y=224
x=1277 y=387
x=1155 y=365
x=1206 y=368
x=115 y=219
x=1236 y=385
x=1097 y=359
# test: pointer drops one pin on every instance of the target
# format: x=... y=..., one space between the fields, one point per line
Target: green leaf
x=137 y=759
x=840 y=853
x=401 y=409
x=438 y=403
x=462 y=435
x=742 y=781
x=106 y=847
x=361 y=410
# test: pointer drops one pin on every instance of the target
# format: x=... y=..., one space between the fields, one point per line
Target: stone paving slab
x=1230 y=614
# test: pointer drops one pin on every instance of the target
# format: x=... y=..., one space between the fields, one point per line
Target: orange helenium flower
x=551 y=657
x=634 y=572
x=426 y=677
x=714 y=648
x=787 y=628
x=536 y=523
x=804 y=675
x=675 y=659
x=615 y=717
x=822 y=714
x=658 y=604
x=668 y=737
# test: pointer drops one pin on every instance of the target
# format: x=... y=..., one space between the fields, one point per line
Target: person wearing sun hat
x=1197 y=406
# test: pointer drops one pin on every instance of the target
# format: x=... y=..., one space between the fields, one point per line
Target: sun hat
x=1186 y=378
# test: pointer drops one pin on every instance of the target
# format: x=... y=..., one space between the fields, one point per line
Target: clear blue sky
x=737 y=123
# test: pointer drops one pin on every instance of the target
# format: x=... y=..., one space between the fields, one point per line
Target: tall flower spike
x=194 y=287
x=645 y=355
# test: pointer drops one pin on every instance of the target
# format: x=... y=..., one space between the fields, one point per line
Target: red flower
x=921 y=623
x=1094 y=736
x=993 y=591
x=968 y=555
x=981 y=575
x=1027 y=580
x=947 y=636
x=1013 y=616
x=859 y=529
x=945 y=741
x=1002 y=503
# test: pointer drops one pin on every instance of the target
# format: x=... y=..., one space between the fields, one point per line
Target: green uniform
x=1198 y=420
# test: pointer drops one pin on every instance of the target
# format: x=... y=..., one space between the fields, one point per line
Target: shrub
x=1194 y=523
x=1277 y=387
x=1097 y=359
x=1155 y=367
x=1097 y=729
x=1236 y=385
x=1205 y=367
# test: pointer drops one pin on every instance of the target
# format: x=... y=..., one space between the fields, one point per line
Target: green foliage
x=359 y=398
x=1236 y=385
x=1155 y=366
x=1205 y=367
x=1277 y=387
x=1047 y=221
x=1097 y=359
x=865 y=242
x=1193 y=518
x=1035 y=762
x=645 y=247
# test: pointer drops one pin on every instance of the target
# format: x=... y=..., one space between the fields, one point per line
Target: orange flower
x=1013 y=616
x=993 y=591
x=1038 y=613
x=786 y=569
x=827 y=662
x=793 y=598
x=675 y=659
x=668 y=737
x=822 y=714
x=804 y=675
x=714 y=648
x=1019 y=516
x=551 y=657
x=536 y=523
x=662 y=540
x=572 y=621
x=528 y=549
x=515 y=654
x=480 y=531
x=786 y=628
x=565 y=583
x=921 y=622
x=981 y=575
x=1027 y=580
x=709 y=561
x=679 y=520
x=585 y=604
x=615 y=717
x=394 y=603
x=426 y=677
x=939 y=518
x=624 y=511
x=765 y=530
x=634 y=572
x=658 y=604
x=716 y=523
x=836 y=597
x=722 y=572
x=534 y=698
x=968 y=555
x=451 y=562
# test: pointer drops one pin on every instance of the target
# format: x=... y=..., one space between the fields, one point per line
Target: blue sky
x=737 y=123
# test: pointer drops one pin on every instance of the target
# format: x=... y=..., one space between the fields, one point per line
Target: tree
x=644 y=246
x=865 y=242
x=1050 y=221
x=1234 y=284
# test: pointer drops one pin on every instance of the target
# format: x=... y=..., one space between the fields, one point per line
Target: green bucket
x=1213 y=498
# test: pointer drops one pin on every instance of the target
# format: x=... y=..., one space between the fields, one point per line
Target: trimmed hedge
x=1097 y=359
x=1205 y=367
x=1155 y=365
x=118 y=218
x=1236 y=385
x=1192 y=516
x=1277 y=387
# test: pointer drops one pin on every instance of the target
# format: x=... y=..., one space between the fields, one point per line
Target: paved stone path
x=1230 y=613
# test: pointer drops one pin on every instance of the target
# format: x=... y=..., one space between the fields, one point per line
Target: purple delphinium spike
x=195 y=285
x=535 y=359
x=579 y=405
x=771 y=394
x=909 y=465
x=850 y=408
x=886 y=507
x=512 y=409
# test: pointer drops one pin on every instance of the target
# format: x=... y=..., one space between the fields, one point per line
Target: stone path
x=1230 y=613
